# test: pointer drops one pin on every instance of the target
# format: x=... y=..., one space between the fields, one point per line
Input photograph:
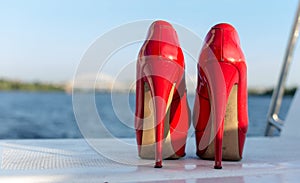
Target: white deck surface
x=275 y=160
x=265 y=160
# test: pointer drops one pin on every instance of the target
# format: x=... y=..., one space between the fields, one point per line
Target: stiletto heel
x=162 y=79
x=162 y=115
x=220 y=110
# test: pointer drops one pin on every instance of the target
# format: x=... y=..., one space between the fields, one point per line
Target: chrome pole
x=273 y=120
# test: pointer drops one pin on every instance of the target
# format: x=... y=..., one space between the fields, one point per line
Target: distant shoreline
x=269 y=91
x=14 y=85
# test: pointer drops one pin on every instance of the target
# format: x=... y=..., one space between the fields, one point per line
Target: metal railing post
x=273 y=120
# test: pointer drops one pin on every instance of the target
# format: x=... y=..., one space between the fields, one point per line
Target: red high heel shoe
x=220 y=108
x=162 y=114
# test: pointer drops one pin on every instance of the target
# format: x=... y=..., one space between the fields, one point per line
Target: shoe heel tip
x=217 y=167
x=158 y=165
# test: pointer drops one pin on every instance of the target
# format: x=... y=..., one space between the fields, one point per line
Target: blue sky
x=45 y=40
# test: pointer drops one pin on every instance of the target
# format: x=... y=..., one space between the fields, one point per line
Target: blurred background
x=42 y=43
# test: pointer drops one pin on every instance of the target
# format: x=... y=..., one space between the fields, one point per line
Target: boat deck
x=73 y=160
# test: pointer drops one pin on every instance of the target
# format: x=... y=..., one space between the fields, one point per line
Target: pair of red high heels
x=220 y=110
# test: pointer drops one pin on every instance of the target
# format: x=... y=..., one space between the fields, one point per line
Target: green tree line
x=7 y=85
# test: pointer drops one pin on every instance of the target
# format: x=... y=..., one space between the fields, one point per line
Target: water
x=50 y=115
